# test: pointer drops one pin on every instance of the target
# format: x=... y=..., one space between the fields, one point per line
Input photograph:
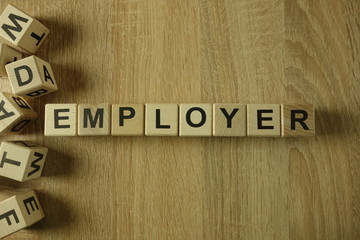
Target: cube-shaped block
x=19 y=211
x=298 y=120
x=15 y=113
x=22 y=30
x=31 y=77
x=22 y=161
x=161 y=120
x=263 y=120
x=7 y=55
x=229 y=120
x=60 y=119
x=127 y=120
x=93 y=119
x=196 y=120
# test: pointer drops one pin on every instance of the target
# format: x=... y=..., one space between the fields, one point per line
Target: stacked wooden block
x=30 y=77
x=236 y=120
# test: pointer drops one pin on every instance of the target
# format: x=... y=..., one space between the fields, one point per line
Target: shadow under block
x=229 y=120
x=263 y=120
x=161 y=119
x=297 y=120
x=127 y=120
x=22 y=30
x=19 y=211
x=21 y=161
x=94 y=119
x=31 y=77
x=60 y=120
x=7 y=55
x=15 y=113
x=196 y=120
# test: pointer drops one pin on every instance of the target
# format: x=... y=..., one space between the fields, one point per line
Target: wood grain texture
x=201 y=51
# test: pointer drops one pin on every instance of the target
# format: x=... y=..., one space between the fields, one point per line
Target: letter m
x=17 y=27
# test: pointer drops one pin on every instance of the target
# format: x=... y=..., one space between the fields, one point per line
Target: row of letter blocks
x=237 y=120
x=19 y=210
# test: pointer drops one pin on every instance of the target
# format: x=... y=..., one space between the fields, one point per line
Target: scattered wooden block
x=7 y=55
x=263 y=120
x=297 y=120
x=229 y=120
x=60 y=119
x=15 y=113
x=127 y=120
x=93 y=120
x=195 y=120
x=161 y=119
x=22 y=161
x=31 y=77
x=22 y=30
x=19 y=211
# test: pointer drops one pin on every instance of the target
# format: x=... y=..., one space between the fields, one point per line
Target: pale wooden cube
x=298 y=120
x=15 y=113
x=161 y=119
x=19 y=211
x=22 y=161
x=60 y=119
x=127 y=120
x=93 y=119
x=22 y=30
x=229 y=120
x=263 y=120
x=31 y=77
x=195 y=120
x=7 y=55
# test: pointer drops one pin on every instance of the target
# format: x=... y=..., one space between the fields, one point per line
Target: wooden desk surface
x=178 y=51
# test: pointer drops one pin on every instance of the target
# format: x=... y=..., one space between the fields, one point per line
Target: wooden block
x=19 y=211
x=60 y=119
x=15 y=113
x=229 y=120
x=7 y=55
x=93 y=120
x=161 y=119
x=22 y=30
x=22 y=161
x=196 y=120
x=297 y=120
x=263 y=120
x=127 y=120
x=31 y=77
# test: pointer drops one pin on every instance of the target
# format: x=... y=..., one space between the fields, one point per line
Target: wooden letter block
x=229 y=120
x=127 y=120
x=22 y=30
x=161 y=120
x=7 y=55
x=15 y=113
x=93 y=120
x=22 y=161
x=263 y=120
x=196 y=120
x=60 y=119
x=18 y=212
x=31 y=77
x=297 y=120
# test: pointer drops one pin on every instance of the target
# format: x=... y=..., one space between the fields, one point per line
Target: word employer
x=237 y=120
